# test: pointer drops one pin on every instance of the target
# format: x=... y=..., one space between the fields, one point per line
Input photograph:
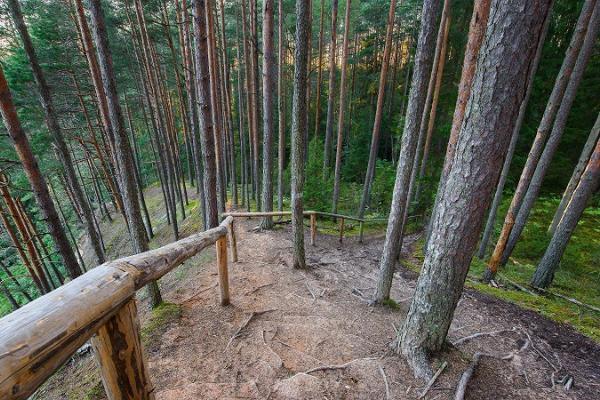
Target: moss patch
x=160 y=318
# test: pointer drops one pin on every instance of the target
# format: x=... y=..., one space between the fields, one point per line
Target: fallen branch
x=479 y=334
x=461 y=389
x=310 y=291
x=433 y=379
x=385 y=381
x=518 y=286
x=569 y=299
x=200 y=292
x=334 y=367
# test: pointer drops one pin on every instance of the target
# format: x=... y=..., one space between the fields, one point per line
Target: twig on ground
x=461 y=388
x=256 y=289
x=433 y=379
x=245 y=324
x=540 y=353
x=200 y=292
x=385 y=381
x=334 y=367
x=518 y=286
x=310 y=291
x=476 y=335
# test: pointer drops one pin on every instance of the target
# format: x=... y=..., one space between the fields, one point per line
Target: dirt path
x=293 y=321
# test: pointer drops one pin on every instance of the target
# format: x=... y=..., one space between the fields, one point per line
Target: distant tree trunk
x=543 y=130
x=477 y=27
x=280 y=108
x=55 y=131
x=423 y=125
x=37 y=181
x=331 y=91
x=587 y=186
x=379 y=111
x=576 y=177
x=555 y=135
x=439 y=73
x=14 y=280
x=122 y=146
x=255 y=93
x=509 y=47
x=4 y=289
x=268 y=127
x=299 y=128
x=342 y=105
x=491 y=219
x=416 y=104
x=319 y=72
x=204 y=112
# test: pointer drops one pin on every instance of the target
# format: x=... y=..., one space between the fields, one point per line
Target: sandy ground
x=283 y=323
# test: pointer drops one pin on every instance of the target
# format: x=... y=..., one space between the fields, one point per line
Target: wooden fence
x=99 y=305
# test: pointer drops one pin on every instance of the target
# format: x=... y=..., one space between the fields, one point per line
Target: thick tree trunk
x=555 y=135
x=588 y=184
x=204 y=112
x=342 y=106
x=543 y=130
x=280 y=108
x=491 y=219
x=249 y=98
x=366 y=194
x=576 y=177
x=330 y=91
x=268 y=125
x=299 y=128
x=254 y=94
x=122 y=145
x=423 y=63
x=37 y=181
x=57 y=136
x=511 y=38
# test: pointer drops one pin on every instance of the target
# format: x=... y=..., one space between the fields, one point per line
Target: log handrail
x=38 y=338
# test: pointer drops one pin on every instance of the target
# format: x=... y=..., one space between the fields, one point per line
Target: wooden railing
x=313 y=220
x=99 y=305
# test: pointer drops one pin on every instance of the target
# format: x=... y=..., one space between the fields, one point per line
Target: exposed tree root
x=476 y=335
x=433 y=379
x=245 y=324
x=385 y=381
x=334 y=367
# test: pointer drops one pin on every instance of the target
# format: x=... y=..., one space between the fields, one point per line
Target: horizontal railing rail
x=99 y=305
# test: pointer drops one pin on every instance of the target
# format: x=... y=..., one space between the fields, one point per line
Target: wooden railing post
x=221 y=245
x=232 y=242
x=119 y=352
x=360 y=231
x=313 y=228
x=341 y=229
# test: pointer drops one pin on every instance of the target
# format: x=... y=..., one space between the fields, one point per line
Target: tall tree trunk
x=587 y=186
x=555 y=135
x=543 y=130
x=491 y=219
x=268 y=125
x=249 y=97
x=379 y=111
x=342 y=106
x=477 y=27
x=331 y=90
x=511 y=38
x=254 y=94
x=423 y=63
x=319 y=72
x=122 y=145
x=57 y=135
x=205 y=111
x=576 y=177
x=299 y=128
x=14 y=280
x=37 y=181
x=280 y=108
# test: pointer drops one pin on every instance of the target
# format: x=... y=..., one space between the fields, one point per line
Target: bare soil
x=283 y=323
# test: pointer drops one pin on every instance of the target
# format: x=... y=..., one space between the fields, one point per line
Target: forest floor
x=283 y=323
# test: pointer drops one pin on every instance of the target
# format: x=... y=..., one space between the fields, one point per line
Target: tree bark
x=543 y=130
x=319 y=72
x=491 y=219
x=423 y=63
x=331 y=90
x=588 y=184
x=499 y=85
x=268 y=126
x=280 y=108
x=299 y=129
x=342 y=106
x=204 y=112
x=122 y=145
x=378 y=112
